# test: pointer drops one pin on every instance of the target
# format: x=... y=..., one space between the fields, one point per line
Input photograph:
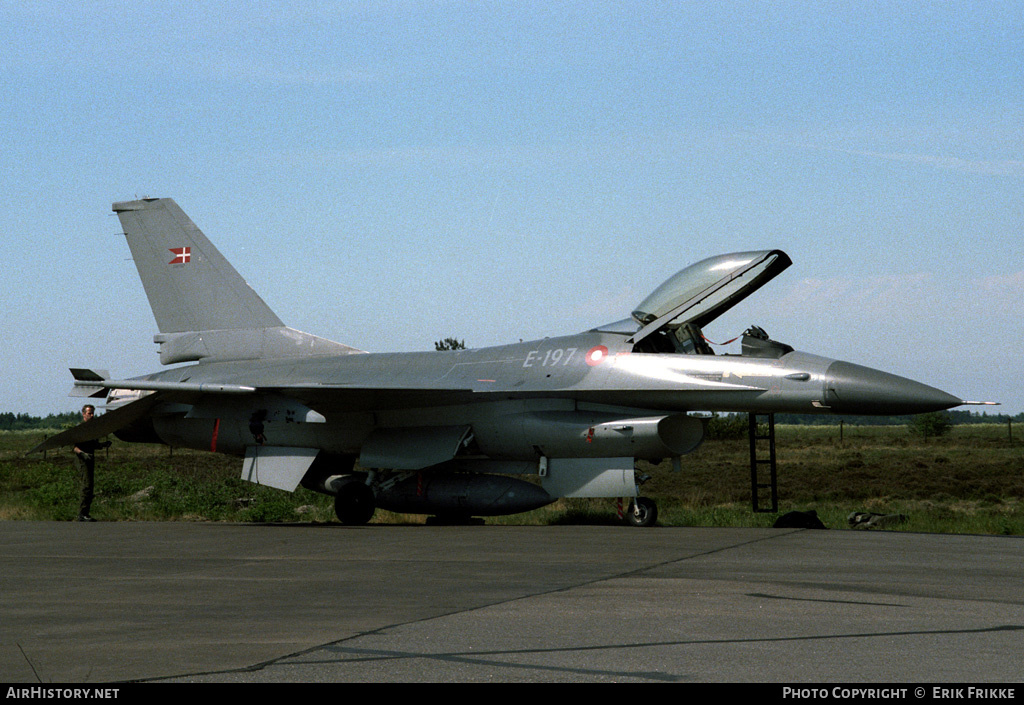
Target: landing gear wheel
x=644 y=512
x=354 y=504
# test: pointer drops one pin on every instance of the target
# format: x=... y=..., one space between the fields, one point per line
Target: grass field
x=969 y=481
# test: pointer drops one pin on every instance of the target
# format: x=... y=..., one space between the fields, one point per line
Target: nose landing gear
x=642 y=512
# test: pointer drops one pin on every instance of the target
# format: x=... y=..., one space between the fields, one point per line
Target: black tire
x=643 y=512
x=354 y=504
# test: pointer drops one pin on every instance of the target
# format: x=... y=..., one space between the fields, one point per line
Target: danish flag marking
x=182 y=255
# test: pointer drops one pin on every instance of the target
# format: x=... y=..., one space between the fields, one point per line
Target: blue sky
x=387 y=174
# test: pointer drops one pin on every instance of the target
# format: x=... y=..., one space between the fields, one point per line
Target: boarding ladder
x=760 y=464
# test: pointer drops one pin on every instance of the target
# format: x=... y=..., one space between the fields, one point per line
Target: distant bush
x=727 y=428
x=449 y=344
x=934 y=424
x=732 y=427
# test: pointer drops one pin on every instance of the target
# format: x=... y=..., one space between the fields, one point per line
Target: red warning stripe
x=714 y=343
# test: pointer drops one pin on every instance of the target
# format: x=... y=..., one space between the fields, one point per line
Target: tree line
x=954 y=417
x=10 y=421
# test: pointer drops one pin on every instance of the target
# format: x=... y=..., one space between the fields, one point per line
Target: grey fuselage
x=509 y=394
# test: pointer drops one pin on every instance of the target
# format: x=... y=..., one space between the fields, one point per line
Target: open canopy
x=704 y=291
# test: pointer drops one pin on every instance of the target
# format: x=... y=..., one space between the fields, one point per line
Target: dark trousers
x=85 y=469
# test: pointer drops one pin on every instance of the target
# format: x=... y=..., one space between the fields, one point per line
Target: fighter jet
x=453 y=434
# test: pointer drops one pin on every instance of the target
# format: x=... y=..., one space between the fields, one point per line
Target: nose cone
x=854 y=389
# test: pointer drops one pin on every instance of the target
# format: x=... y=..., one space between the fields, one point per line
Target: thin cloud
x=244 y=68
x=1003 y=289
x=878 y=294
x=987 y=167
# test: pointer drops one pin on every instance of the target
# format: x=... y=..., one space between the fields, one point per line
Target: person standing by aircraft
x=85 y=465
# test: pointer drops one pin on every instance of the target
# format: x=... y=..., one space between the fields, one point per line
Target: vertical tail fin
x=190 y=285
x=203 y=308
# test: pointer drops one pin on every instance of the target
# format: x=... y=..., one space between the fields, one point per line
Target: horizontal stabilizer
x=99 y=426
